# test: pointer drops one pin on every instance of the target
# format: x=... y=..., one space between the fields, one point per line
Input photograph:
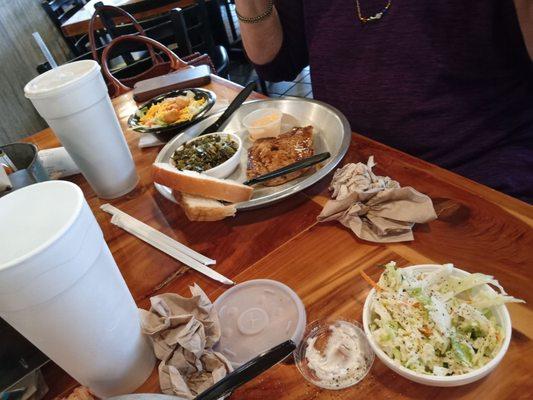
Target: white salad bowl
x=227 y=167
x=502 y=317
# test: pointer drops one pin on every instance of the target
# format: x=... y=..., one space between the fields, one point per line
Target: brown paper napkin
x=183 y=331
x=375 y=207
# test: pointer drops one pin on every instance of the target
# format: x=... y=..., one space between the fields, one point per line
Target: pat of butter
x=265 y=120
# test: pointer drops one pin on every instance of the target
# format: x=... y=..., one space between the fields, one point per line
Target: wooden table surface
x=78 y=24
x=479 y=230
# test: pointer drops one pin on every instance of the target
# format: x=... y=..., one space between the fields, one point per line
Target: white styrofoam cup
x=61 y=288
x=73 y=100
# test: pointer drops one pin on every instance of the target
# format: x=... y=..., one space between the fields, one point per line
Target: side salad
x=437 y=323
x=171 y=110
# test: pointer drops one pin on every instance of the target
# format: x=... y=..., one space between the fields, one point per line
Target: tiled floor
x=242 y=73
x=300 y=87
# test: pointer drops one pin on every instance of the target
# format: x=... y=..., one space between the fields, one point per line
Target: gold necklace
x=375 y=17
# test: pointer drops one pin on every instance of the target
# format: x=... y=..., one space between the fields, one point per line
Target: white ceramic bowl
x=227 y=167
x=502 y=317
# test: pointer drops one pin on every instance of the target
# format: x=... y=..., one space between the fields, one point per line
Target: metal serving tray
x=331 y=133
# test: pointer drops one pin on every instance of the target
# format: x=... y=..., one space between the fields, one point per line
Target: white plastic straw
x=44 y=49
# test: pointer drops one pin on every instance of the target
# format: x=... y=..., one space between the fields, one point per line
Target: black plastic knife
x=248 y=371
x=232 y=381
x=234 y=105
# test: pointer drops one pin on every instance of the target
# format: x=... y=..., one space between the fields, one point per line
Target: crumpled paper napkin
x=183 y=332
x=375 y=207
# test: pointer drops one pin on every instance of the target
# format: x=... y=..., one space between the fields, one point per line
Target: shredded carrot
x=370 y=281
x=426 y=330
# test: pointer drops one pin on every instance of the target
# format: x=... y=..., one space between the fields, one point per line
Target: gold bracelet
x=258 y=18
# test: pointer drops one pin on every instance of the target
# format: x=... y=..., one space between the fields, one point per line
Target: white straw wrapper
x=164 y=243
x=150 y=232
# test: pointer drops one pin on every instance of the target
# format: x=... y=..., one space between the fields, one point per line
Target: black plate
x=168 y=132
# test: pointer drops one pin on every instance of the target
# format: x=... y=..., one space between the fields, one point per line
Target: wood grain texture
x=78 y=24
x=478 y=230
x=19 y=56
x=322 y=266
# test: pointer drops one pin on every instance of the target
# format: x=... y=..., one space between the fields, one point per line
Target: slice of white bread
x=202 y=209
x=202 y=185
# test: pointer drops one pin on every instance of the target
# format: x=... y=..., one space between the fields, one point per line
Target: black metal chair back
x=168 y=29
x=199 y=35
x=185 y=31
x=198 y=28
x=61 y=10
x=229 y=17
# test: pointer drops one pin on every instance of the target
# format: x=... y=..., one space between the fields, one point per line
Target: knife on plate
x=234 y=105
x=305 y=163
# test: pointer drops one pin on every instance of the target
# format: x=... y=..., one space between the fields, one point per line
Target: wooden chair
x=145 y=5
x=121 y=72
x=110 y=30
x=61 y=10
x=169 y=29
x=185 y=31
x=103 y=36
x=130 y=58
x=193 y=27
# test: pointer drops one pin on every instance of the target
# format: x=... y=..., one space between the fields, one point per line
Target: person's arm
x=261 y=40
x=524 y=11
x=276 y=45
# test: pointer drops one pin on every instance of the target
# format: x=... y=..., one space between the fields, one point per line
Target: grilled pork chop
x=270 y=154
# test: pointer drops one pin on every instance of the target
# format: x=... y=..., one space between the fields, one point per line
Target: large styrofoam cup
x=61 y=288
x=73 y=100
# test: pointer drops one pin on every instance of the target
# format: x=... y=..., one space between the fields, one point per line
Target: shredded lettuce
x=462 y=351
x=484 y=300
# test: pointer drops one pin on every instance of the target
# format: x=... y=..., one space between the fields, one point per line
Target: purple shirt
x=448 y=81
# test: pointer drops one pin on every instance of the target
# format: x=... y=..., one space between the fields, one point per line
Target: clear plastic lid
x=61 y=79
x=256 y=316
x=334 y=353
